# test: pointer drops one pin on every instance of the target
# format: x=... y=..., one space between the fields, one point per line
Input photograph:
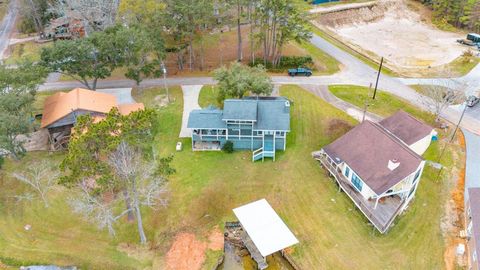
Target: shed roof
x=240 y=109
x=474 y=197
x=367 y=150
x=61 y=104
x=266 y=229
x=406 y=127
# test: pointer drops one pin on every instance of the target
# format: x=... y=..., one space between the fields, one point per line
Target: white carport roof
x=266 y=229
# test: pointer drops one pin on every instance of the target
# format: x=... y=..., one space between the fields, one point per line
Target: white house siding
x=366 y=191
x=421 y=146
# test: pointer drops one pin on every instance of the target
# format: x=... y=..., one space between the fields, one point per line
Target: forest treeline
x=459 y=13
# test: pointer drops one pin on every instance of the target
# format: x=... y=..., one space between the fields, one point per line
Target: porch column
x=376 y=203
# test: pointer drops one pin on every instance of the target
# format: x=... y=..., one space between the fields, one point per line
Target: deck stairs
x=266 y=151
x=254 y=252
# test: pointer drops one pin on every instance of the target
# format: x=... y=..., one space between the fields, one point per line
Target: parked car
x=472 y=101
x=300 y=72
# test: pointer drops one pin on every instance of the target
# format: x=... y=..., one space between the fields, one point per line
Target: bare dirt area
x=452 y=221
x=188 y=252
x=392 y=29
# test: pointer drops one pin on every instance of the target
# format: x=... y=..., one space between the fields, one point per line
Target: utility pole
x=164 y=71
x=378 y=77
x=451 y=140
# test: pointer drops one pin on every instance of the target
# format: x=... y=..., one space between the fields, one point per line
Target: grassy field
x=207 y=185
x=25 y=51
x=384 y=104
x=3 y=8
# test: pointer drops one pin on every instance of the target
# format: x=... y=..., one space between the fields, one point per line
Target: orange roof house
x=62 y=109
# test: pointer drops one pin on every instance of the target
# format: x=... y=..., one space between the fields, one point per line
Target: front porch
x=381 y=215
x=206 y=146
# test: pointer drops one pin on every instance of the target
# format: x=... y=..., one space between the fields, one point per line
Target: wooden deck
x=254 y=253
x=382 y=216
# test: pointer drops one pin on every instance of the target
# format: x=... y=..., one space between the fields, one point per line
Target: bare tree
x=139 y=180
x=443 y=94
x=95 y=208
x=96 y=14
x=41 y=177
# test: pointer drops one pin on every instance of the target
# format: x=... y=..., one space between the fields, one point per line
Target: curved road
x=355 y=72
x=7 y=25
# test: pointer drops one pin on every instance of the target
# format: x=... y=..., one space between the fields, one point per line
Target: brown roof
x=126 y=109
x=474 y=198
x=406 y=127
x=61 y=104
x=367 y=149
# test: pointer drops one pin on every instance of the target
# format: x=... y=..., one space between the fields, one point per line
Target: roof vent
x=393 y=164
x=287 y=103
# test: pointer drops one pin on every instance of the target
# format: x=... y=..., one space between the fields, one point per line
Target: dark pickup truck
x=300 y=72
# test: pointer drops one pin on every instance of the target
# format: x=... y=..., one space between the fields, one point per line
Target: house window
x=416 y=176
x=469 y=228
x=357 y=182
x=347 y=172
x=411 y=192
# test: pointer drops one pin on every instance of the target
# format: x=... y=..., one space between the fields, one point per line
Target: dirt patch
x=161 y=100
x=215 y=239
x=401 y=35
x=452 y=222
x=338 y=127
x=186 y=253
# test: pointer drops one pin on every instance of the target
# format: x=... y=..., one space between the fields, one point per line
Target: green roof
x=269 y=113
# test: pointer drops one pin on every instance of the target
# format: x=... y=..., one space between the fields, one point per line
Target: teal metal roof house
x=259 y=124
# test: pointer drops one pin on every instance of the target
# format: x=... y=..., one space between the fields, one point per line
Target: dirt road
x=7 y=25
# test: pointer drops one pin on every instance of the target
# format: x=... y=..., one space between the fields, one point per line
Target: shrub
x=228 y=147
x=2 y=160
x=287 y=62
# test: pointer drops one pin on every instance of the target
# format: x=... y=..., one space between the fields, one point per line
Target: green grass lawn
x=208 y=185
x=25 y=51
x=325 y=64
x=208 y=96
x=384 y=104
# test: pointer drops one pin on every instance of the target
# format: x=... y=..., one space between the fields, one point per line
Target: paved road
x=7 y=25
x=352 y=110
x=354 y=72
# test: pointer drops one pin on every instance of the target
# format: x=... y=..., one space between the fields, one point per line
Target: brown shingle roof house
x=62 y=109
x=377 y=169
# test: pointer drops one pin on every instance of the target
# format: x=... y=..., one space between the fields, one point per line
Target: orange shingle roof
x=61 y=104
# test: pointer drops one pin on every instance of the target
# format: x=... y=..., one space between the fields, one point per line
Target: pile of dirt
x=355 y=15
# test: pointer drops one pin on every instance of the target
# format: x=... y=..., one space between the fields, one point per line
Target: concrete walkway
x=190 y=103
x=352 y=110
x=472 y=173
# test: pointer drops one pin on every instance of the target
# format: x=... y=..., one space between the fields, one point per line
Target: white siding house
x=379 y=167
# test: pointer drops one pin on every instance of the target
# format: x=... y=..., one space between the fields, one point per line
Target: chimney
x=393 y=164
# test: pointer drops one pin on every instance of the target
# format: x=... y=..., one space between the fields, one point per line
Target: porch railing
x=357 y=198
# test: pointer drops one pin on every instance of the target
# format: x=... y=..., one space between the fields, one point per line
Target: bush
x=287 y=62
x=228 y=147
x=2 y=160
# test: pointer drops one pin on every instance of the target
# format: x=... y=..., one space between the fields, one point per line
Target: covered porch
x=380 y=213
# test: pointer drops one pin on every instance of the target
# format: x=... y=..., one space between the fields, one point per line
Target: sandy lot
x=401 y=37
